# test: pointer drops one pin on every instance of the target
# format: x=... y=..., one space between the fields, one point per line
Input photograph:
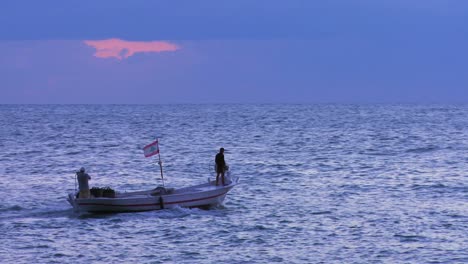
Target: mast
x=160 y=162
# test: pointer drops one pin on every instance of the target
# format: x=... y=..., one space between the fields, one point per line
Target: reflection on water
x=318 y=183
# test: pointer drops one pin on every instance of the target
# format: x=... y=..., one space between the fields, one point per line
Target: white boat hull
x=202 y=195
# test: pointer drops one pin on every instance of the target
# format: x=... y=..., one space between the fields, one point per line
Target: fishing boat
x=109 y=201
x=202 y=195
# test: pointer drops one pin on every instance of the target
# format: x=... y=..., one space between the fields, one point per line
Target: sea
x=319 y=183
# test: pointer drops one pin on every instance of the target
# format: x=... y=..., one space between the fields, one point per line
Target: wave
x=13 y=208
x=441 y=188
x=410 y=238
x=422 y=149
x=429 y=186
x=51 y=213
x=321 y=212
x=377 y=152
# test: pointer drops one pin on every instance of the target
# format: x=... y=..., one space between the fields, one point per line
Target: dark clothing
x=220 y=163
x=83 y=180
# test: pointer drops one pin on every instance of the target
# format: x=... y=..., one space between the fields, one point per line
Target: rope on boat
x=161 y=202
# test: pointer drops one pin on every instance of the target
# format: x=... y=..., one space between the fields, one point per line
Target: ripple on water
x=319 y=183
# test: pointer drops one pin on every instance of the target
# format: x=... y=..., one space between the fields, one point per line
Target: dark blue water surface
x=319 y=183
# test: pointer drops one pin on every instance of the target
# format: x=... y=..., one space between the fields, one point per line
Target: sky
x=243 y=51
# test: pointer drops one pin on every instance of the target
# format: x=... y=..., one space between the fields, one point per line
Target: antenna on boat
x=160 y=162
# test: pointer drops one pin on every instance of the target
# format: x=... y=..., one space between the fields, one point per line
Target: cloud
x=122 y=49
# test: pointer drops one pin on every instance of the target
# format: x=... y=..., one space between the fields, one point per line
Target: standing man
x=83 y=178
x=220 y=166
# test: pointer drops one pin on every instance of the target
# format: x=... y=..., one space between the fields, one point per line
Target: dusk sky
x=349 y=51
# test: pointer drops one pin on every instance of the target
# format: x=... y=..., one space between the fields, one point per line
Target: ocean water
x=318 y=183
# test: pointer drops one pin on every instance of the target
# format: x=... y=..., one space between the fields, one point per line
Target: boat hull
x=203 y=195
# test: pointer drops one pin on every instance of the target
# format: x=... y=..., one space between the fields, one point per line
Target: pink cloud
x=121 y=49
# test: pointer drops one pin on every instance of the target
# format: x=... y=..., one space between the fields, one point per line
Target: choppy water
x=319 y=183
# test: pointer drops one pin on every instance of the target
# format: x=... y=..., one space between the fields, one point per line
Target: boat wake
x=175 y=212
x=18 y=212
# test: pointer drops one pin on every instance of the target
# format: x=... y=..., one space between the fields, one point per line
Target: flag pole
x=159 y=162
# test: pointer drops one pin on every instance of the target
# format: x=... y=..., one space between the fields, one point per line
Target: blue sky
x=234 y=51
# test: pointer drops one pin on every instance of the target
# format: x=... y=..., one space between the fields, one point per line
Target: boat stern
x=72 y=200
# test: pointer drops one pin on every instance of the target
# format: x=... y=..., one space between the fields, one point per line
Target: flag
x=151 y=149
